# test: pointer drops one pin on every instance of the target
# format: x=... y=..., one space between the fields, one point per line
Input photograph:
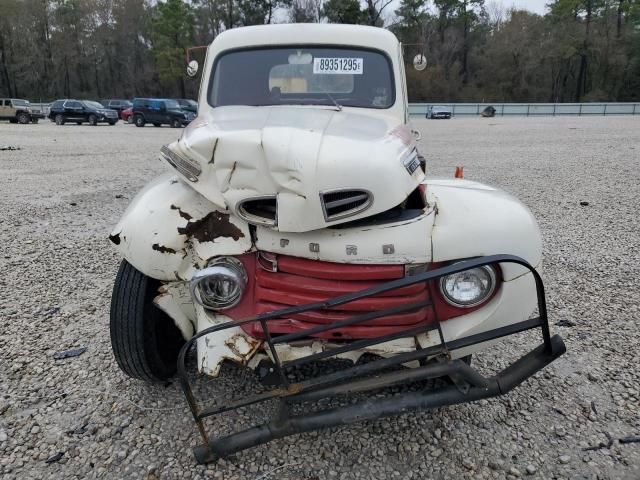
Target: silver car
x=438 y=111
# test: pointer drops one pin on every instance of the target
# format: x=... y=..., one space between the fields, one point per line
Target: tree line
x=581 y=50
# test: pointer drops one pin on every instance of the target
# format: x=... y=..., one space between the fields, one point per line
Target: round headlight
x=468 y=288
x=221 y=285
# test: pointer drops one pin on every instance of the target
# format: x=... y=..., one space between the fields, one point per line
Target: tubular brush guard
x=468 y=384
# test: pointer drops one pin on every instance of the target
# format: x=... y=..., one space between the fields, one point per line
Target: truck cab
x=297 y=224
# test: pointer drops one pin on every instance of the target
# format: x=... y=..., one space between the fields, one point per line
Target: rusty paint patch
x=115 y=239
x=403 y=133
x=184 y=215
x=213 y=154
x=210 y=227
x=162 y=249
x=242 y=346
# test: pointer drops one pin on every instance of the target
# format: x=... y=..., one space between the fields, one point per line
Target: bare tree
x=496 y=12
x=305 y=11
x=374 y=10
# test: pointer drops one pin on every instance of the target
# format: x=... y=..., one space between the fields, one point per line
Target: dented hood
x=296 y=154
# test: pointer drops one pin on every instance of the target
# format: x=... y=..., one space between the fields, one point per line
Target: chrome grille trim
x=356 y=200
x=186 y=167
x=257 y=219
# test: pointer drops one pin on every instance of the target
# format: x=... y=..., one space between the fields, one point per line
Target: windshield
x=91 y=104
x=171 y=104
x=20 y=103
x=303 y=76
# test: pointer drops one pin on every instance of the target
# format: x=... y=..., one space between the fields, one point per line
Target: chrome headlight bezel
x=448 y=298
x=228 y=269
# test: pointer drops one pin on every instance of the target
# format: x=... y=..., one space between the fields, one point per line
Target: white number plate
x=338 y=66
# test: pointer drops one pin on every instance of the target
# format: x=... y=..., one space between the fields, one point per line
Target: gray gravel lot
x=66 y=187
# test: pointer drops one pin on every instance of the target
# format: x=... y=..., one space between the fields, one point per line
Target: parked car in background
x=127 y=115
x=488 y=112
x=438 y=111
x=188 y=105
x=80 y=111
x=118 y=105
x=18 y=111
x=160 y=111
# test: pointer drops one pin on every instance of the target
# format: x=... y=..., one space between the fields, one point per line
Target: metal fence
x=502 y=109
x=532 y=109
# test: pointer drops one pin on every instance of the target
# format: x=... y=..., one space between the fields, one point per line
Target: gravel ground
x=68 y=185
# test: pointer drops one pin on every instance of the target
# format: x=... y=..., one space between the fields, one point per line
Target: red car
x=127 y=115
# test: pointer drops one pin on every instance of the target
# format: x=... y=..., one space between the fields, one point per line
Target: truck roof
x=308 y=33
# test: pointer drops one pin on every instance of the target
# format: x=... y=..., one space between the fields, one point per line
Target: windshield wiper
x=338 y=106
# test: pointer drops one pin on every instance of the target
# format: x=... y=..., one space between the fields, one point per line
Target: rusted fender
x=169 y=230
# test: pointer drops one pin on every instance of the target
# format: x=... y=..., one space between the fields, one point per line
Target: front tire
x=145 y=340
x=23 y=118
x=59 y=119
x=93 y=120
x=139 y=121
x=175 y=123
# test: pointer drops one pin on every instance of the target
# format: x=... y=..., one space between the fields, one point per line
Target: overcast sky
x=537 y=6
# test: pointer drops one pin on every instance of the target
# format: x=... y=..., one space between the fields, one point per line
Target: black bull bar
x=467 y=384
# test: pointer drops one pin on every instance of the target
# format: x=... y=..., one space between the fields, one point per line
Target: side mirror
x=419 y=62
x=192 y=68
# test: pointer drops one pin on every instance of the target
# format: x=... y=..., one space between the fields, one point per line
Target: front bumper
x=468 y=384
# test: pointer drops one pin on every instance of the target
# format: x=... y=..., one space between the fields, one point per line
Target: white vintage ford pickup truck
x=298 y=224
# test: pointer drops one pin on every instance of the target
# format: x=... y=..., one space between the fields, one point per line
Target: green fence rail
x=532 y=109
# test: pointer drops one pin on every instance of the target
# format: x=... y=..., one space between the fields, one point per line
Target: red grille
x=301 y=281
